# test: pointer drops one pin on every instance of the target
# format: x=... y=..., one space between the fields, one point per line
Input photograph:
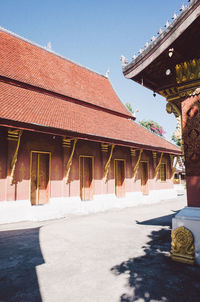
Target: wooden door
x=39 y=178
x=119 y=178
x=34 y=168
x=144 y=178
x=86 y=178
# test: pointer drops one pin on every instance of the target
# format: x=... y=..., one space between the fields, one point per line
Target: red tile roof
x=31 y=107
x=33 y=65
x=27 y=63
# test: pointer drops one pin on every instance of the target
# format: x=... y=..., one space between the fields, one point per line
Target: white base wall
x=14 y=211
x=180 y=188
x=189 y=217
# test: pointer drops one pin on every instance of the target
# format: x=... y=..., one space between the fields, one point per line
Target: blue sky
x=95 y=34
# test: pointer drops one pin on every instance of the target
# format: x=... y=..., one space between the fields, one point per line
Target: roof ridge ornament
x=134 y=113
x=134 y=56
x=167 y=24
x=161 y=30
x=107 y=73
x=124 y=60
x=49 y=46
x=174 y=16
x=182 y=7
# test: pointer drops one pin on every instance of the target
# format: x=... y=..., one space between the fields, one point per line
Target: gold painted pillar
x=107 y=165
x=66 y=143
x=184 y=102
x=157 y=168
x=136 y=167
x=69 y=162
x=14 y=137
x=104 y=155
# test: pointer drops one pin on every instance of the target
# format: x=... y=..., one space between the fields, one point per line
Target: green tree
x=129 y=107
x=150 y=125
x=176 y=137
x=153 y=127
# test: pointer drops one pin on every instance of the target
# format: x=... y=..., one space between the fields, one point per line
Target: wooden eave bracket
x=174 y=167
x=137 y=165
x=158 y=166
x=14 y=159
x=104 y=147
x=107 y=165
x=133 y=151
x=69 y=163
x=66 y=142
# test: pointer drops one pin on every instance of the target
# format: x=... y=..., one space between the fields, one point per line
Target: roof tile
x=33 y=107
x=27 y=63
x=36 y=66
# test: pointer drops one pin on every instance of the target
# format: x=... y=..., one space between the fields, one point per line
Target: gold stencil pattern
x=182 y=246
x=191 y=135
x=188 y=71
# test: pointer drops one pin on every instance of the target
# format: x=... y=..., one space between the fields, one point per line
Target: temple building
x=170 y=66
x=67 y=141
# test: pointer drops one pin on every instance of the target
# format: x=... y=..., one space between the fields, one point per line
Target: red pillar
x=191 y=139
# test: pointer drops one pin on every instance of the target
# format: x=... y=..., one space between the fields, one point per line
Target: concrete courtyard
x=119 y=255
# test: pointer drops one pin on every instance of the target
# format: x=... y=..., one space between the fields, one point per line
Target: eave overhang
x=183 y=35
x=83 y=136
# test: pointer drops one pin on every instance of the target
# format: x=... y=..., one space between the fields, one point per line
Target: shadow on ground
x=154 y=276
x=162 y=220
x=19 y=255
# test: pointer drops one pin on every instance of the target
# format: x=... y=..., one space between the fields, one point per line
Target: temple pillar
x=185 y=104
x=191 y=138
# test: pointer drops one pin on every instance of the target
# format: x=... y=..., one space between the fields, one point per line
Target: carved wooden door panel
x=119 y=178
x=39 y=178
x=34 y=166
x=144 y=178
x=43 y=183
x=86 y=178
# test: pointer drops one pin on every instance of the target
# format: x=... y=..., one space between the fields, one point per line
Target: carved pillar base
x=182 y=258
x=182 y=245
x=186 y=236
